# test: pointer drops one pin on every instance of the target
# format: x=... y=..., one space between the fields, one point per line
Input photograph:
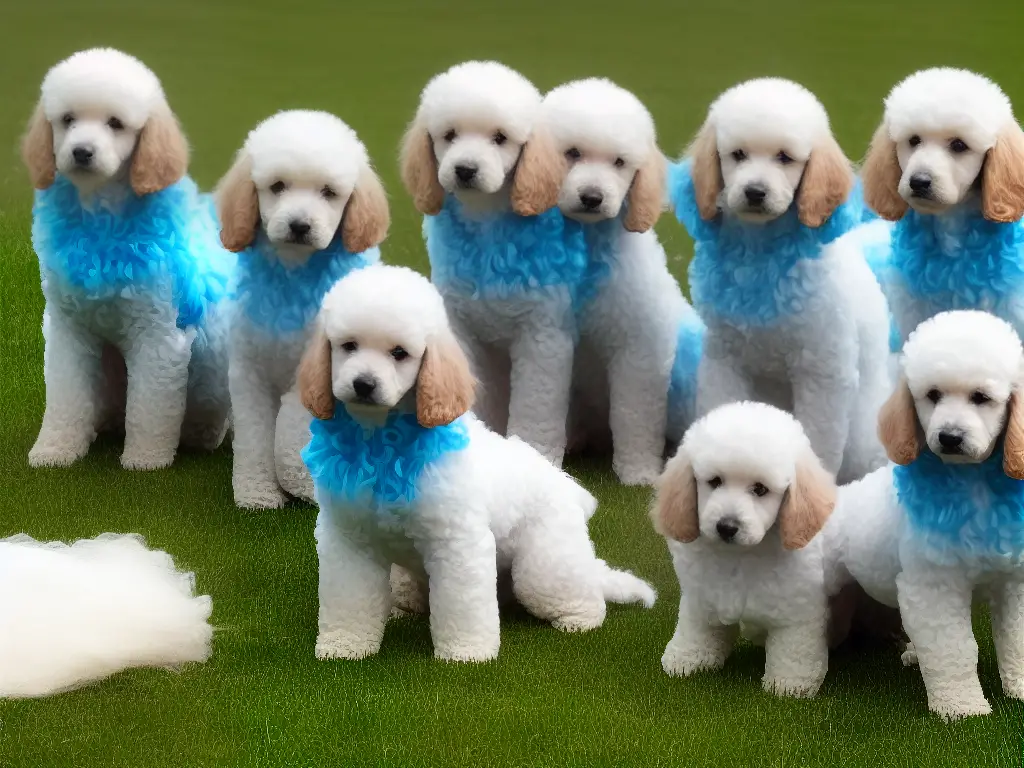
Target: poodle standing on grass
x=132 y=272
x=403 y=475
x=947 y=164
x=741 y=504
x=304 y=207
x=946 y=523
x=636 y=329
x=795 y=316
x=511 y=282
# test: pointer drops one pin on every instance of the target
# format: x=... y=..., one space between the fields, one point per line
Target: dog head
x=604 y=147
x=303 y=176
x=958 y=393
x=743 y=470
x=946 y=132
x=102 y=116
x=383 y=343
x=466 y=138
x=766 y=144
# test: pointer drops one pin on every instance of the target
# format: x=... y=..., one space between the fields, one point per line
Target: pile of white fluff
x=74 y=614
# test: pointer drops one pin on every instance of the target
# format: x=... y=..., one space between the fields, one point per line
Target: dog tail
x=624 y=587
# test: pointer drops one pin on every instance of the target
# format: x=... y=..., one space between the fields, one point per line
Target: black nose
x=727 y=529
x=465 y=172
x=950 y=440
x=82 y=155
x=591 y=199
x=299 y=228
x=364 y=386
x=756 y=193
x=920 y=182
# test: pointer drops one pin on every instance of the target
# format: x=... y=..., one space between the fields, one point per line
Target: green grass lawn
x=551 y=699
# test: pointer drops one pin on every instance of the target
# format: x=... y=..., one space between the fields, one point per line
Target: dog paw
x=792 y=688
x=639 y=474
x=578 y=622
x=683 y=662
x=260 y=496
x=55 y=455
x=955 y=708
x=1014 y=688
x=146 y=459
x=345 y=645
x=909 y=656
x=470 y=653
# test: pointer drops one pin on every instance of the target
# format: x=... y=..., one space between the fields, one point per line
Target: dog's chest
x=116 y=319
x=271 y=356
x=501 y=321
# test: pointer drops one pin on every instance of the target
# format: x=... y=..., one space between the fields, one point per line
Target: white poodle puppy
x=304 y=207
x=795 y=316
x=132 y=272
x=741 y=504
x=946 y=523
x=403 y=476
x=511 y=282
x=611 y=180
x=947 y=164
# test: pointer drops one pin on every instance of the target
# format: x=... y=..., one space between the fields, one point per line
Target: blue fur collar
x=964 y=509
x=959 y=260
x=171 y=235
x=682 y=392
x=751 y=274
x=282 y=299
x=505 y=255
x=378 y=466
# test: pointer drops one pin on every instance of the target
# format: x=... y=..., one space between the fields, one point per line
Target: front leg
x=541 y=380
x=491 y=371
x=720 y=380
x=796 y=660
x=355 y=593
x=696 y=644
x=638 y=388
x=936 y=609
x=822 y=403
x=1007 y=605
x=462 y=575
x=254 y=409
x=73 y=372
x=291 y=435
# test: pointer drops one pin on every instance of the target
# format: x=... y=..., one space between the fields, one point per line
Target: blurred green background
x=597 y=699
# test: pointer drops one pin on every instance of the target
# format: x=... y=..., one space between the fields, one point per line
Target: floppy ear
x=897 y=425
x=238 y=206
x=647 y=194
x=706 y=171
x=444 y=387
x=419 y=169
x=827 y=181
x=37 y=150
x=1013 y=443
x=809 y=502
x=161 y=155
x=881 y=175
x=539 y=175
x=367 y=218
x=314 y=376
x=1002 y=184
x=674 y=513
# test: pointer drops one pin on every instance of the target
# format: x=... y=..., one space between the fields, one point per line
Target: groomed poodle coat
x=795 y=316
x=947 y=165
x=741 y=504
x=945 y=522
x=303 y=207
x=404 y=475
x=132 y=271
x=511 y=282
x=639 y=338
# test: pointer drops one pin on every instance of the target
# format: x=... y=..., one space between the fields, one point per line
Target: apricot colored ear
x=674 y=513
x=897 y=426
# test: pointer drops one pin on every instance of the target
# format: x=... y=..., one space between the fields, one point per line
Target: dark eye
x=957 y=146
x=783 y=158
x=619 y=162
x=115 y=125
x=572 y=153
x=914 y=140
x=67 y=119
x=277 y=187
x=328 y=193
x=450 y=136
x=715 y=482
x=350 y=346
x=500 y=138
x=980 y=398
x=739 y=155
x=759 y=489
x=399 y=354
x=934 y=395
